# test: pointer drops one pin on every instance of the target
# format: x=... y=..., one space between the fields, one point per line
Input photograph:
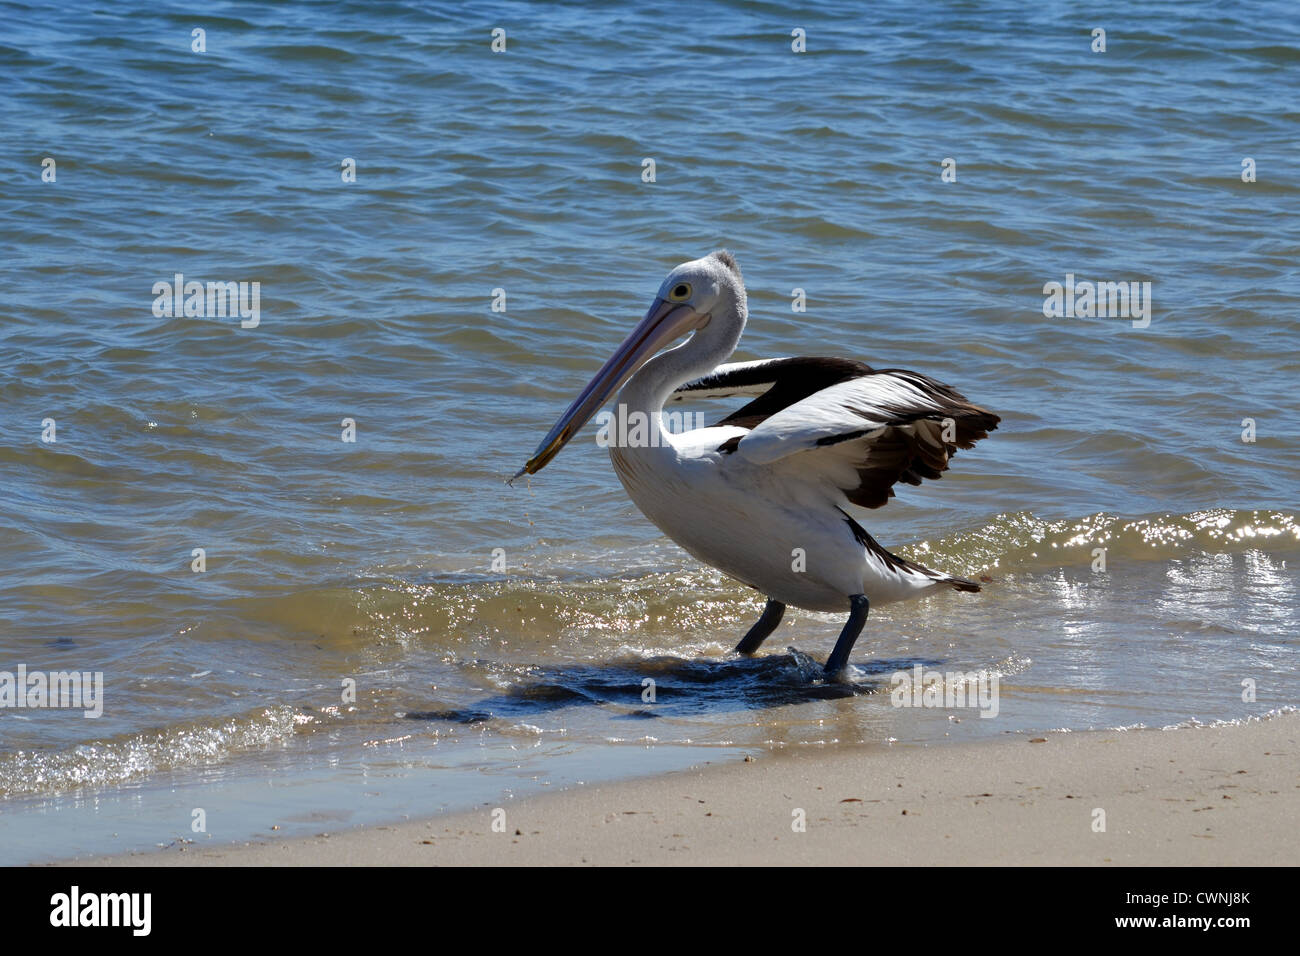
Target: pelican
x=763 y=495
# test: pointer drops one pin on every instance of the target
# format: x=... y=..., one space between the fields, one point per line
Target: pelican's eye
x=681 y=292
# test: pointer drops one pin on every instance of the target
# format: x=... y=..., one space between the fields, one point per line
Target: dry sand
x=1208 y=796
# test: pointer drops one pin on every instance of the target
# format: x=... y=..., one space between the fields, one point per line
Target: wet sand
x=1217 y=796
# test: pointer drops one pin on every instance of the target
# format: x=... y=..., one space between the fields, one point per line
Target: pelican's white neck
x=705 y=350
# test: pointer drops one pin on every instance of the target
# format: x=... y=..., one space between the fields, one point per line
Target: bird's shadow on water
x=680 y=687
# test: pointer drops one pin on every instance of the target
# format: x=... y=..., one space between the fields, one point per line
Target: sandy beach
x=1199 y=796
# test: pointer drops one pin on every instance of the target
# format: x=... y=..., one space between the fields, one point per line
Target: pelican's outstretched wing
x=869 y=429
x=773 y=383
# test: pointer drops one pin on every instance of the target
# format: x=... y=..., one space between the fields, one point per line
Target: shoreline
x=1216 y=795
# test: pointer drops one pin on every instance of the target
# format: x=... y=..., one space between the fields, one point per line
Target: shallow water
x=373 y=561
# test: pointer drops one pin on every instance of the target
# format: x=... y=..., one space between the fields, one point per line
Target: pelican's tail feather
x=892 y=560
x=960 y=584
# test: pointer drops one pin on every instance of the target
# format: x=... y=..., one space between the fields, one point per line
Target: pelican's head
x=707 y=285
x=687 y=300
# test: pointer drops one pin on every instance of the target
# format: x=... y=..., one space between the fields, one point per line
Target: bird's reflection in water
x=681 y=687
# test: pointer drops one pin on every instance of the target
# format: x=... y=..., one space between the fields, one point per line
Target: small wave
x=666 y=595
x=1024 y=542
x=102 y=763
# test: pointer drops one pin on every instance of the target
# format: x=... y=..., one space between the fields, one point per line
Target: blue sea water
x=372 y=561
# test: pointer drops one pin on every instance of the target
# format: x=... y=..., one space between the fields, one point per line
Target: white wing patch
x=855 y=408
x=703 y=386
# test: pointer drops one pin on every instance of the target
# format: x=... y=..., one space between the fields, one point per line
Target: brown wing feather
x=917 y=445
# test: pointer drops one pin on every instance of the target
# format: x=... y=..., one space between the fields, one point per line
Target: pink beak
x=664 y=322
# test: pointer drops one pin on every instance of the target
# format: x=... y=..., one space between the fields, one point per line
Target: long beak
x=662 y=324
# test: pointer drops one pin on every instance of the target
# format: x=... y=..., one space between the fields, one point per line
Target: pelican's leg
x=858 y=608
x=762 y=628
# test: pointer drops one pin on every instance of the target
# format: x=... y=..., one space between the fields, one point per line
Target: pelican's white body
x=777 y=527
